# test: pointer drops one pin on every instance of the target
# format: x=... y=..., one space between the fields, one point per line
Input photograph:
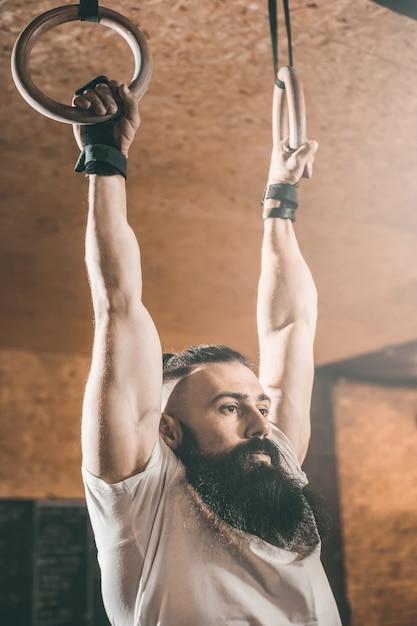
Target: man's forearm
x=287 y=293
x=112 y=251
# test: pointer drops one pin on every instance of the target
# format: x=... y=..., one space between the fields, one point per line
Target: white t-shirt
x=163 y=563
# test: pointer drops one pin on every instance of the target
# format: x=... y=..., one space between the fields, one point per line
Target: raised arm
x=122 y=404
x=287 y=309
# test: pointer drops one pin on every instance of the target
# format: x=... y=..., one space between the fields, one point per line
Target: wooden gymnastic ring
x=69 y=13
x=292 y=99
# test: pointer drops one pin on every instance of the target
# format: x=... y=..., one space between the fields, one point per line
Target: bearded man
x=200 y=513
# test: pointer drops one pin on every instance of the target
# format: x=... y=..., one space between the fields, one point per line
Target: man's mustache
x=258 y=445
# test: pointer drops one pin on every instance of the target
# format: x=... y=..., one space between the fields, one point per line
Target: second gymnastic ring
x=290 y=99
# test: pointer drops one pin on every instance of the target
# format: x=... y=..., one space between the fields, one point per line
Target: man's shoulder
x=288 y=451
x=162 y=464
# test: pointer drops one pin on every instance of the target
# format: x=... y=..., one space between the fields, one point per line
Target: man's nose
x=258 y=424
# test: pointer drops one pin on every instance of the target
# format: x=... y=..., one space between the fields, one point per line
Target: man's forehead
x=223 y=377
x=228 y=368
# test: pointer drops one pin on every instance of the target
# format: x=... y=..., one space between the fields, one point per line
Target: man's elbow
x=114 y=302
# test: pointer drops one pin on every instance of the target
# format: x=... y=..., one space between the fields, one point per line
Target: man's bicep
x=287 y=374
x=122 y=404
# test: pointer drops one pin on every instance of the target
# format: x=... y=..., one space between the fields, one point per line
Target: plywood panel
x=376 y=439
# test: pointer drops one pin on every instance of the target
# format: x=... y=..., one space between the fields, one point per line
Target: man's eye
x=230 y=408
x=263 y=411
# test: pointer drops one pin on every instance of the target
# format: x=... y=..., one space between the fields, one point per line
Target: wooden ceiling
x=198 y=169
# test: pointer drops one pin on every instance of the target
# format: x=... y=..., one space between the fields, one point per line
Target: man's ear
x=170 y=430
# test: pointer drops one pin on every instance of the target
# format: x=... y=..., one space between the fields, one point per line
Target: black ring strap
x=89 y=11
x=273 y=26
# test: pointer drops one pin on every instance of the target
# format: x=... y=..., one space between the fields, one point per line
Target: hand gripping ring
x=291 y=98
x=69 y=13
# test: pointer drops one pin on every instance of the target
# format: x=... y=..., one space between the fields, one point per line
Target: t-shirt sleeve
x=289 y=454
x=112 y=506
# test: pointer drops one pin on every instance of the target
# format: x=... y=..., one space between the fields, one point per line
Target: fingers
x=307 y=150
x=314 y=145
x=289 y=166
x=102 y=99
x=308 y=170
x=105 y=99
x=304 y=155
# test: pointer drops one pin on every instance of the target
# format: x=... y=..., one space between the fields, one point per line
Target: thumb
x=130 y=102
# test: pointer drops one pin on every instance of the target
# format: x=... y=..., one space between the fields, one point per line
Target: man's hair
x=176 y=366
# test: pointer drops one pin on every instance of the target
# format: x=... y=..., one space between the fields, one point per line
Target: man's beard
x=253 y=497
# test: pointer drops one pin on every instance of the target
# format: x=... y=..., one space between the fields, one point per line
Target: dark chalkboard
x=49 y=574
x=62 y=586
x=16 y=545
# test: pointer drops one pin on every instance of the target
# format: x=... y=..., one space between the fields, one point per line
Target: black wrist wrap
x=284 y=212
x=288 y=196
x=102 y=160
x=282 y=191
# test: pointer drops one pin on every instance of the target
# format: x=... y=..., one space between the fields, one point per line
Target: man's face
x=224 y=405
x=231 y=461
